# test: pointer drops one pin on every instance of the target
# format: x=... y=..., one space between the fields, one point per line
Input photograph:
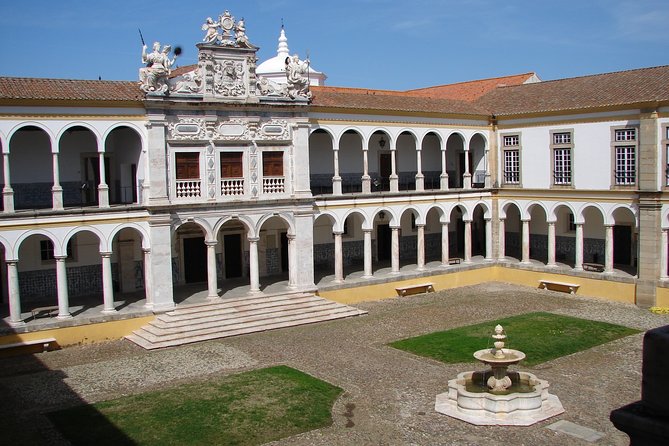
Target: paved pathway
x=389 y=394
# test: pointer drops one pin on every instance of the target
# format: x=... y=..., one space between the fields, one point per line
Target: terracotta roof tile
x=23 y=88
x=471 y=90
x=602 y=90
x=385 y=100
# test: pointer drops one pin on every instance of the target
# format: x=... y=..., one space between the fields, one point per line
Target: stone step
x=225 y=315
x=150 y=345
x=180 y=332
x=233 y=302
x=230 y=308
x=232 y=317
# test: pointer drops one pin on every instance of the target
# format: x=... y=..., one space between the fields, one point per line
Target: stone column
x=147 y=279
x=420 y=178
x=292 y=261
x=7 y=191
x=444 y=244
x=608 y=250
x=61 y=284
x=467 y=176
x=368 y=252
x=253 y=265
x=339 y=257
x=103 y=188
x=468 y=241
x=526 y=241
x=578 y=261
x=551 y=245
x=15 y=319
x=663 y=254
x=443 y=178
x=212 y=279
x=107 y=284
x=394 y=179
x=420 y=247
x=488 y=240
x=56 y=189
x=336 y=179
x=161 y=289
x=502 y=239
x=366 y=179
x=395 y=251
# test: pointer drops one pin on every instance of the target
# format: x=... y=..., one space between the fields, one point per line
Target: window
x=231 y=165
x=46 y=250
x=624 y=156
x=665 y=144
x=187 y=165
x=272 y=164
x=561 y=147
x=511 y=166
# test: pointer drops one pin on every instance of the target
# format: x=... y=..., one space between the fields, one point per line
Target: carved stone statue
x=240 y=34
x=212 y=35
x=296 y=75
x=153 y=77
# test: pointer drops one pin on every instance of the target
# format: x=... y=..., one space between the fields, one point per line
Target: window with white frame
x=624 y=153
x=511 y=148
x=561 y=146
x=665 y=144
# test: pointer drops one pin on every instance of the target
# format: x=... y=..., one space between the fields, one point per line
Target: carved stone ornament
x=229 y=78
x=188 y=83
x=220 y=32
x=197 y=129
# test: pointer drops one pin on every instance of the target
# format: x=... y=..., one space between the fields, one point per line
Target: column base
x=367 y=276
x=17 y=324
x=64 y=316
x=109 y=311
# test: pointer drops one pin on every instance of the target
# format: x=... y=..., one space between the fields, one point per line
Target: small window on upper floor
x=561 y=148
x=272 y=164
x=625 y=135
x=624 y=145
x=511 y=141
x=187 y=165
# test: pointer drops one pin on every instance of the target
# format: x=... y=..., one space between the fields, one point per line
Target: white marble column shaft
x=61 y=286
x=212 y=279
x=420 y=247
x=254 y=271
x=107 y=284
x=147 y=278
x=608 y=249
x=103 y=188
x=395 y=251
x=502 y=239
x=578 y=261
x=368 y=252
x=551 y=244
x=444 y=244
x=526 y=241
x=468 y=241
x=14 y=294
x=339 y=257
x=7 y=191
x=56 y=189
x=292 y=261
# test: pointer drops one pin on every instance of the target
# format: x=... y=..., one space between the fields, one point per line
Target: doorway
x=195 y=260
x=385 y=169
x=232 y=250
x=383 y=242
x=622 y=245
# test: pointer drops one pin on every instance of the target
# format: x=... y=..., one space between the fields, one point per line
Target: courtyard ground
x=388 y=394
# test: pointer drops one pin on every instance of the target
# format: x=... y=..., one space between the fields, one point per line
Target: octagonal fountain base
x=515 y=408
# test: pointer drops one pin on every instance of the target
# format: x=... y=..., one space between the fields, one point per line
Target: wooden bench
x=41 y=310
x=415 y=289
x=45 y=345
x=558 y=286
x=597 y=267
x=454 y=260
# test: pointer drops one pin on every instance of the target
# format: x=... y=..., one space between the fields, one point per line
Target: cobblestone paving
x=389 y=394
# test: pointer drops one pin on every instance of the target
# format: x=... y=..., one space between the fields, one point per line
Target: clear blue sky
x=385 y=44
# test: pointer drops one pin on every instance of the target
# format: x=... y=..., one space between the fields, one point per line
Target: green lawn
x=244 y=409
x=541 y=336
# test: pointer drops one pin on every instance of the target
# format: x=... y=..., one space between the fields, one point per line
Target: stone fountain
x=498 y=396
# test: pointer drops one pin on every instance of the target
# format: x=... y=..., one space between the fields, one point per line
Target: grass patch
x=541 y=336
x=248 y=408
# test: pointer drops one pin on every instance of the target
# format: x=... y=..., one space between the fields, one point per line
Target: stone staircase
x=236 y=316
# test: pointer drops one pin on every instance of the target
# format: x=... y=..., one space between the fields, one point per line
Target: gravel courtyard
x=388 y=394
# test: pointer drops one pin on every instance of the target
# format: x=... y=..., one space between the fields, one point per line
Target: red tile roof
x=471 y=90
x=384 y=100
x=623 y=88
x=24 y=88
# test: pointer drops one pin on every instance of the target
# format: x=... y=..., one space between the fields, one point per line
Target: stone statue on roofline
x=297 y=75
x=153 y=77
x=220 y=32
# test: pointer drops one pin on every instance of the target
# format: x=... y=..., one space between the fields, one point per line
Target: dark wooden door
x=622 y=244
x=195 y=260
x=384 y=239
x=232 y=248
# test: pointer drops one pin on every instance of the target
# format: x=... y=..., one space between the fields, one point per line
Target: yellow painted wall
x=82 y=334
x=662 y=297
x=615 y=291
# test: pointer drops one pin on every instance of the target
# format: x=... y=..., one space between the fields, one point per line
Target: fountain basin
x=485 y=408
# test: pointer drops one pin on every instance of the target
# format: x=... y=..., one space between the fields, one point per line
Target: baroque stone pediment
x=200 y=129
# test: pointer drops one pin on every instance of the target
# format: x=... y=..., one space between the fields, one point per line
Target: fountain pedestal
x=507 y=398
